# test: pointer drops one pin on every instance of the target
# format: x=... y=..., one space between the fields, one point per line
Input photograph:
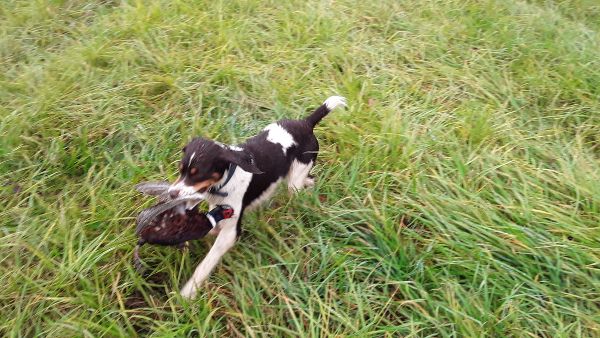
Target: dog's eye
x=193 y=171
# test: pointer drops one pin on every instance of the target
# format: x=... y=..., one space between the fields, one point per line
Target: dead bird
x=170 y=222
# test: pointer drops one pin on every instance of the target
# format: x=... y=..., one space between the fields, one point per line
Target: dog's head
x=204 y=163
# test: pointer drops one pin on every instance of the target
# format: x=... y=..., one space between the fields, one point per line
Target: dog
x=243 y=176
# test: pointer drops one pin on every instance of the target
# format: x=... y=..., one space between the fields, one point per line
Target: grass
x=458 y=196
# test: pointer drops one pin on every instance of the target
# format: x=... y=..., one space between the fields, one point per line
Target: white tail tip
x=333 y=102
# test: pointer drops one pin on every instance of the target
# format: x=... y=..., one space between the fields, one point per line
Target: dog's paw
x=309 y=182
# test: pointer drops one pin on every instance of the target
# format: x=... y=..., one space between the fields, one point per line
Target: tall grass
x=459 y=195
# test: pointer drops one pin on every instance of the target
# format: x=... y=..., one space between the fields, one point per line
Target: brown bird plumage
x=175 y=228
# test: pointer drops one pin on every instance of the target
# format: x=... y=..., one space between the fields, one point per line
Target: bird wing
x=154 y=188
x=146 y=217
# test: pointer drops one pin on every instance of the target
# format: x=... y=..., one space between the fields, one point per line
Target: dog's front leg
x=225 y=240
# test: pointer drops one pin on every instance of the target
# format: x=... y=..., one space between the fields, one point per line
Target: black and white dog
x=245 y=175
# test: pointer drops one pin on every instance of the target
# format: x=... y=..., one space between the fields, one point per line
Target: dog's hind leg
x=298 y=176
x=225 y=240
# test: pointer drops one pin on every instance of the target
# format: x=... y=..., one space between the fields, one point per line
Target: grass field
x=457 y=196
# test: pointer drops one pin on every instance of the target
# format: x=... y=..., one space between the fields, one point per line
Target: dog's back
x=286 y=149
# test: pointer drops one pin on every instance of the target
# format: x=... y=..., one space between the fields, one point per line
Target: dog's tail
x=330 y=104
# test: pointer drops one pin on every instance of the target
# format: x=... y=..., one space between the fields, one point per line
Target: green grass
x=458 y=196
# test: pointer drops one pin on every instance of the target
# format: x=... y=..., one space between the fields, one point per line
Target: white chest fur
x=235 y=190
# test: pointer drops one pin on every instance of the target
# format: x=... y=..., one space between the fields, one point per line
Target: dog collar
x=230 y=172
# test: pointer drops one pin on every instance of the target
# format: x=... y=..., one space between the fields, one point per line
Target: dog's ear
x=242 y=159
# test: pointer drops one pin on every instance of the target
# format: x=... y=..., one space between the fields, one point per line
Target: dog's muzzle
x=180 y=189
